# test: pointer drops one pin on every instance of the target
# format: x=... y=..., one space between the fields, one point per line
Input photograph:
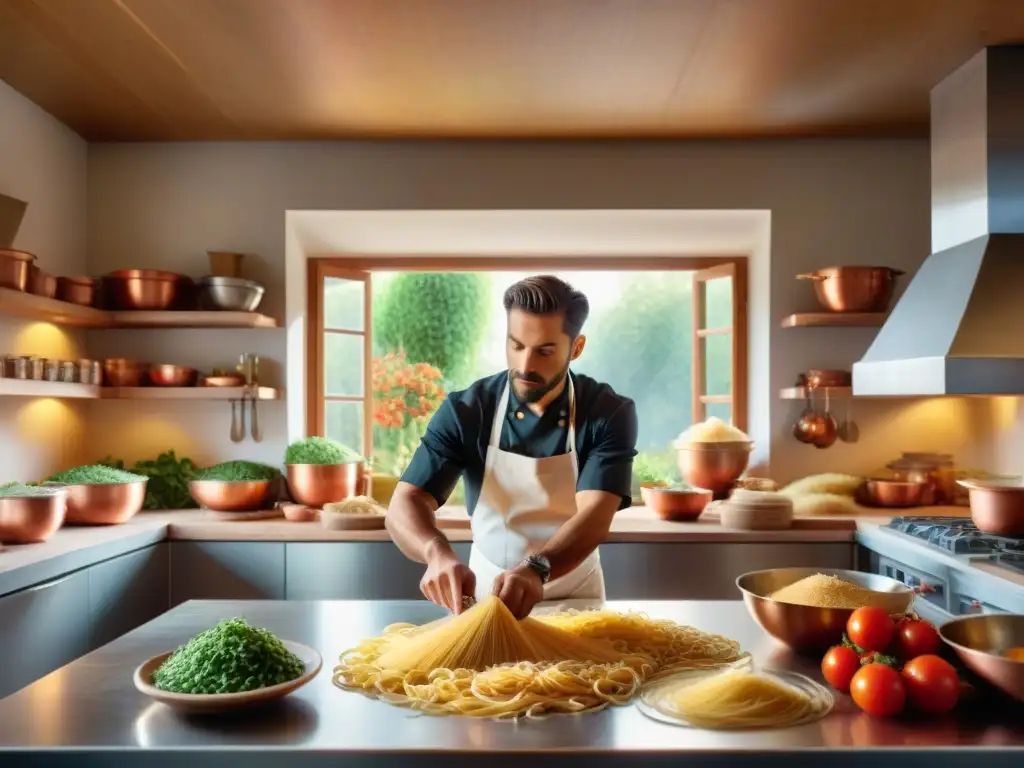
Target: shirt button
x=519 y=415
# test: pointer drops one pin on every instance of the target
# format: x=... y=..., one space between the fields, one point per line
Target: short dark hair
x=547 y=295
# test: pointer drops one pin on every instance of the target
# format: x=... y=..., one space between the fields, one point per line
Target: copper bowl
x=14 y=268
x=31 y=519
x=141 y=289
x=805 y=628
x=674 y=503
x=233 y=496
x=226 y=380
x=892 y=493
x=77 y=290
x=172 y=376
x=41 y=283
x=997 y=508
x=121 y=372
x=854 y=289
x=317 y=484
x=828 y=378
x=713 y=466
x=981 y=642
x=105 y=504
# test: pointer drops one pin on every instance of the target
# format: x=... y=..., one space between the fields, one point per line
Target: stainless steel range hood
x=958 y=329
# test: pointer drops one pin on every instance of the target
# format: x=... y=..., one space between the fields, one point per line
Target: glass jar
x=51 y=370
x=68 y=371
x=37 y=368
x=21 y=367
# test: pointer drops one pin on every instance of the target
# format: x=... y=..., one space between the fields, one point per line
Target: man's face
x=538 y=352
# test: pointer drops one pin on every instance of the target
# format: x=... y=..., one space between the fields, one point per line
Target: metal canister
x=21 y=366
x=95 y=372
x=37 y=367
x=51 y=370
x=68 y=371
x=85 y=371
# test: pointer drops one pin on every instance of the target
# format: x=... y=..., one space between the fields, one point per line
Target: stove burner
x=959 y=536
x=1012 y=560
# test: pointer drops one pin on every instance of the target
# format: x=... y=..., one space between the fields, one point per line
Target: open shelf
x=834 y=320
x=32 y=307
x=32 y=388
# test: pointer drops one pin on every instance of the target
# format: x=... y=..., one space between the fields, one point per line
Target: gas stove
x=960 y=536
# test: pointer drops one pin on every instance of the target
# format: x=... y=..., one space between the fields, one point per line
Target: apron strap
x=494 y=440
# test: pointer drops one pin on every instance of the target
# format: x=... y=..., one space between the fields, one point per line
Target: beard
x=541 y=386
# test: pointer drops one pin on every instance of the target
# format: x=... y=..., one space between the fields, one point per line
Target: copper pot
x=854 y=289
x=172 y=376
x=226 y=380
x=996 y=508
x=674 y=504
x=14 y=268
x=77 y=290
x=232 y=496
x=818 y=379
x=317 y=484
x=41 y=283
x=121 y=372
x=893 y=493
x=714 y=467
x=31 y=519
x=106 y=504
x=141 y=289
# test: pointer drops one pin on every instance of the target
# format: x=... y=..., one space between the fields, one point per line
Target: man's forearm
x=412 y=523
x=582 y=533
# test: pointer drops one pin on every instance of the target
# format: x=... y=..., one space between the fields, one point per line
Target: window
x=383 y=352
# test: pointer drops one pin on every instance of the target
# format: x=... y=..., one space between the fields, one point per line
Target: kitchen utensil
x=935 y=469
x=31 y=519
x=14 y=268
x=818 y=378
x=996 y=507
x=172 y=376
x=225 y=263
x=675 y=503
x=317 y=484
x=237 y=421
x=233 y=294
x=254 y=421
x=122 y=372
x=77 y=290
x=41 y=283
x=854 y=289
x=37 y=368
x=801 y=430
x=249 y=367
x=225 y=702
x=232 y=496
x=225 y=380
x=756 y=511
x=713 y=466
x=848 y=431
x=108 y=504
x=805 y=628
x=826 y=428
x=981 y=642
x=141 y=289
x=892 y=493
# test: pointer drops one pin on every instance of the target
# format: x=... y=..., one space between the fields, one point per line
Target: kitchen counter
x=88 y=712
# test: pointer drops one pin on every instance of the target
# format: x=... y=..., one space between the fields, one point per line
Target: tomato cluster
x=883 y=664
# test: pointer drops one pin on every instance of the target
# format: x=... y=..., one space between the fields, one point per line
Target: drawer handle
x=975 y=604
x=48 y=584
x=923 y=589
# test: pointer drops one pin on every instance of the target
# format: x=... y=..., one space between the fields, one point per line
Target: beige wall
x=832 y=202
x=43 y=163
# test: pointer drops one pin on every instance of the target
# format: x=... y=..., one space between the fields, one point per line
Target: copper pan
x=233 y=496
x=996 y=508
x=31 y=519
x=981 y=643
x=106 y=504
x=77 y=290
x=317 y=484
x=854 y=289
x=41 y=283
x=14 y=268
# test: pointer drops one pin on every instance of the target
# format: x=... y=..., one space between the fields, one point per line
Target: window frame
x=704 y=268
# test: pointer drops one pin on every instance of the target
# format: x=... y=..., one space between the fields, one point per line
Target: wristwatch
x=539 y=565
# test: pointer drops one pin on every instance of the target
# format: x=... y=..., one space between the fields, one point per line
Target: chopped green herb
x=232 y=657
x=319 y=450
x=94 y=474
x=238 y=471
x=19 y=489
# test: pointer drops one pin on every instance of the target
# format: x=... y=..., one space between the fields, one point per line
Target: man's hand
x=447 y=580
x=520 y=588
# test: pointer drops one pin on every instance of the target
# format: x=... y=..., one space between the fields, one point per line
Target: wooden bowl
x=226 y=702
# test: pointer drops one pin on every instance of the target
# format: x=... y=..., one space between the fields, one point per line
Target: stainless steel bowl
x=804 y=628
x=231 y=294
x=981 y=642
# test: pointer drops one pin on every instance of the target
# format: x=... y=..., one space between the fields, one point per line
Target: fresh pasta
x=484 y=663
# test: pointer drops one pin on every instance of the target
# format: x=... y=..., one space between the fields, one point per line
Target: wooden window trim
x=359 y=267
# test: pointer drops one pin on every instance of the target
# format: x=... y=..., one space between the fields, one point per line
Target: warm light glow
x=1005 y=412
x=146 y=435
x=46 y=419
x=45 y=340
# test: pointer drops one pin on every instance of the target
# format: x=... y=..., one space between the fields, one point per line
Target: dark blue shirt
x=455 y=442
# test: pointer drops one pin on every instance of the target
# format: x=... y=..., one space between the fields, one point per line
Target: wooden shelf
x=33 y=388
x=185 y=393
x=31 y=307
x=834 y=320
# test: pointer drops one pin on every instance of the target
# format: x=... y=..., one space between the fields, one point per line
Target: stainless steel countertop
x=91 y=704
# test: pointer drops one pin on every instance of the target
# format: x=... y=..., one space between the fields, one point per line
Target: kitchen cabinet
x=226 y=570
x=344 y=570
x=126 y=592
x=42 y=628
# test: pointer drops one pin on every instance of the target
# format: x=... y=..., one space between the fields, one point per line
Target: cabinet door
x=42 y=628
x=126 y=592
x=354 y=570
x=226 y=570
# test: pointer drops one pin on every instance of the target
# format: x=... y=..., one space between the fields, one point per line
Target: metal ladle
x=849 y=432
x=807 y=425
x=826 y=428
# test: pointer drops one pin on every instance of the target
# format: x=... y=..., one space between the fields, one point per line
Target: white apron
x=522 y=503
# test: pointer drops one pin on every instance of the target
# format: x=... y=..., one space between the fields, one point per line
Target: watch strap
x=539 y=565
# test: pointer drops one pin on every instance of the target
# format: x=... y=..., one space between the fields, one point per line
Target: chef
x=547 y=458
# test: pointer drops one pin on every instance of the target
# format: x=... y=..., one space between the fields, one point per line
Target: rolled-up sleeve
x=439 y=459
x=609 y=465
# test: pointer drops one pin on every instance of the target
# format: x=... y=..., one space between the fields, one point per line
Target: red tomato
x=871 y=629
x=839 y=666
x=917 y=638
x=878 y=690
x=932 y=684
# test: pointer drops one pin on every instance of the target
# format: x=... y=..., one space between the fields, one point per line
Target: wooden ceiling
x=320 y=69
